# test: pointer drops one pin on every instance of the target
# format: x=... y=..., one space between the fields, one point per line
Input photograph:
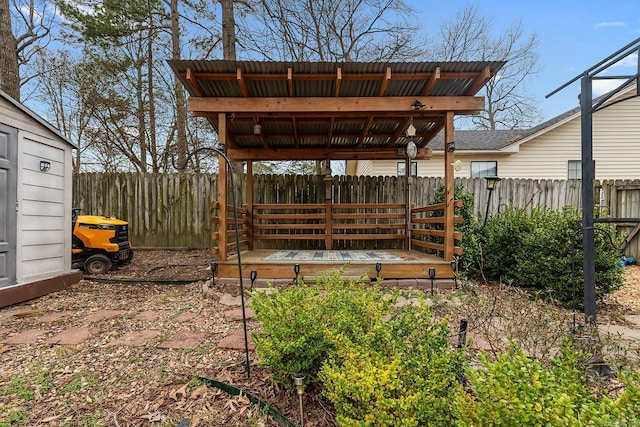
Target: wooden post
x=250 y=205
x=328 y=217
x=449 y=188
x=222 y=190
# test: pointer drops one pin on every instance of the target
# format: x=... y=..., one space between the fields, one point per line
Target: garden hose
x=144 y=281
x=268 y=409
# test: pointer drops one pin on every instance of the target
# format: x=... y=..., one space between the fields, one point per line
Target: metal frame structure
x=587 y=108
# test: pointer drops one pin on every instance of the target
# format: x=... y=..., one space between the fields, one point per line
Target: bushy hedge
x=542 y=251
x=293 y=340
x=535 y=250
x=378 y=365
x=402 y=373
x=515 y=390
x=385 y=365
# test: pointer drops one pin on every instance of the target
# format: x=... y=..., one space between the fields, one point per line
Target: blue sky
x=574 y=35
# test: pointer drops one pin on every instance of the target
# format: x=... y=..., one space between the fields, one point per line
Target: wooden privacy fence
x=175 y=210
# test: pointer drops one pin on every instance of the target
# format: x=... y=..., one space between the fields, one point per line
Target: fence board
x=174 y=210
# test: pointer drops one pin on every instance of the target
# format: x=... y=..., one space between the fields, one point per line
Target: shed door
x=8 y=189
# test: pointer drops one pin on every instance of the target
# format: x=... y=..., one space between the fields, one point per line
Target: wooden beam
x=433 y=133
x=338 y=81
x=249 y=197
x=290 y=81
x=479 y=81
x=451 y=75
x=449 y=187
x=332 y=122
x=401 y=129
x=333 y=153
x=241 y=82
x=348 y=105
x=385 y=82
x=431 y=83
x=193 y=80
x=222 y=190
x=296 y=140
x=281 y=120
x=365 y=131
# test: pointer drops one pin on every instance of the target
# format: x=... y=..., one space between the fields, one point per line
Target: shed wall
x=44 y=208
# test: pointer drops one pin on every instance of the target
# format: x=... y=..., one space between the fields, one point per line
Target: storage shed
x=35 y=205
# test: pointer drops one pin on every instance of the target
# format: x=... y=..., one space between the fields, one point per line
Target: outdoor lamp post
x=412 y=151
x=491 y=185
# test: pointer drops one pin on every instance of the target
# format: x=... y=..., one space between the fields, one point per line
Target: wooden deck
x=279 y=264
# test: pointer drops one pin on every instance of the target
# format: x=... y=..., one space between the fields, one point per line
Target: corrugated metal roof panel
x=320 y=79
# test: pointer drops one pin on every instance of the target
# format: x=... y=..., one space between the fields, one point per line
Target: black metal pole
x=462 y=334
x=588 y=176
x=220 y=152
x=486 y=213
x=235 y=220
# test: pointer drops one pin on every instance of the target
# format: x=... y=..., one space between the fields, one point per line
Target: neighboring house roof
x=476 y=140
x=36 y=117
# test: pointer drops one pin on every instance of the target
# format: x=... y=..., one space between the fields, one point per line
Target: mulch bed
x=97 y=383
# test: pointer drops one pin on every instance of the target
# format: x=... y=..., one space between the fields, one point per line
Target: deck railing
x=337 y=226
x=317 y=226
x=427 y=228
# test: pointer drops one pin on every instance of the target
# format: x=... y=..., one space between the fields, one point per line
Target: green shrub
x=401 y=373
x=501 y=242
x=295 y=322
x=536 y=251
x=516 y=390
x=470 y=227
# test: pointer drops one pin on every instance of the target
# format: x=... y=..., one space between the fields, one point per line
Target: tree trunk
x=153 y=140
x=142 y=124
x=9 y=69
x=181 y=107
x=229 y=51
x=228 y=30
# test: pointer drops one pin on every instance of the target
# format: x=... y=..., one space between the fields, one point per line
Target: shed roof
x=331 y=107
x=35 y=117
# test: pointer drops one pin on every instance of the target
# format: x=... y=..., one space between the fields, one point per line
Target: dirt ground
x=95 y=384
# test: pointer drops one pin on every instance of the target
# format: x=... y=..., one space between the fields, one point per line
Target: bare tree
x=180 y=102
x=469 y=38
x=25 y=30
x=331 y=30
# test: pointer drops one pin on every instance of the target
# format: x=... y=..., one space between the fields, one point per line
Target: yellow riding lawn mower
x=99 y=243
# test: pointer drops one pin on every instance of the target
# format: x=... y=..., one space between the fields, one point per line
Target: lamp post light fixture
x=432 y=276
x=491 y=185
x=298 y=380
x=253 y=277
x=454 y=268
x=296 y=270
x=213 y=267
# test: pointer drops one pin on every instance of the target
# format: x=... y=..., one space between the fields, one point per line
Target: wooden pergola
x=282 y=111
